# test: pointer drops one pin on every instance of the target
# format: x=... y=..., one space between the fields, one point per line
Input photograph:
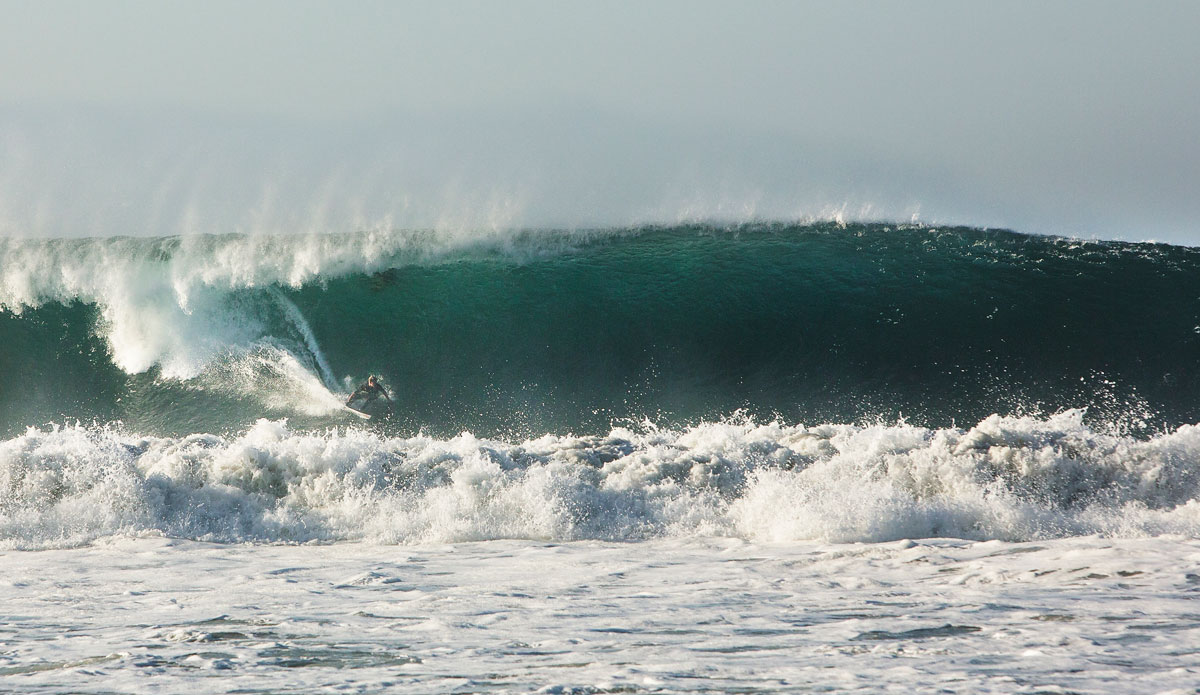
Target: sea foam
x=1007 y=478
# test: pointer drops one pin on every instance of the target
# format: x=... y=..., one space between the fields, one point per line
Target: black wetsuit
x=369 y=393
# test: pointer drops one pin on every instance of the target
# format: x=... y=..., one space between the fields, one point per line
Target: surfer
x=369 y=391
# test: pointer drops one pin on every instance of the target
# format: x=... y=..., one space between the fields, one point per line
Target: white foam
x=275 y=377
x=1084 y=614
x=1006 y=478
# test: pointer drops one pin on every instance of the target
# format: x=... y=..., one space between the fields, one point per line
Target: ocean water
x=758 y=458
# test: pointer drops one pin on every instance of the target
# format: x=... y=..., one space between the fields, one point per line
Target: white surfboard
x=359 y=413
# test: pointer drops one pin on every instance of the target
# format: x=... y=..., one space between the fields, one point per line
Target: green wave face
x=570 y=333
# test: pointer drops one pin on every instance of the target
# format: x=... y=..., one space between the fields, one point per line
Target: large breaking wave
x=614 y=384
x=525 y=333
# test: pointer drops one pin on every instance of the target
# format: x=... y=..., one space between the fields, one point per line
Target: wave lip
x=1007 y=478
x=182 y=303
x=173 y=301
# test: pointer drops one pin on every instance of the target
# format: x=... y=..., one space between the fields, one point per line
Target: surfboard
x=359 y=413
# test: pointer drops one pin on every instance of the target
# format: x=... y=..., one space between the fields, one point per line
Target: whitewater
x=756 y=458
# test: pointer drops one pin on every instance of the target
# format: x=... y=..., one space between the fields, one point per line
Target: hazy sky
x=159 y=117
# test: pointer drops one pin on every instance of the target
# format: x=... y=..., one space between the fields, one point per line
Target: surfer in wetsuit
x=369 y=392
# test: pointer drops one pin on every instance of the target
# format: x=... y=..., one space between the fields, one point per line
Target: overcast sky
x=1079 y=118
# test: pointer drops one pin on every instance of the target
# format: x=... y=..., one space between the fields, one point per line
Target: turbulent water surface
x=769 y=409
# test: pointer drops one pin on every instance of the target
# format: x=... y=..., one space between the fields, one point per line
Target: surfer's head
x=371 y=380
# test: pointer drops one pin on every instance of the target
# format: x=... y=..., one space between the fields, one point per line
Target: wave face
x=522 y=334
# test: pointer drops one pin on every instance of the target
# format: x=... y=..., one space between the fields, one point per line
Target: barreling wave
x=1009 y=478
x=193 y=386
x=523 y=333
